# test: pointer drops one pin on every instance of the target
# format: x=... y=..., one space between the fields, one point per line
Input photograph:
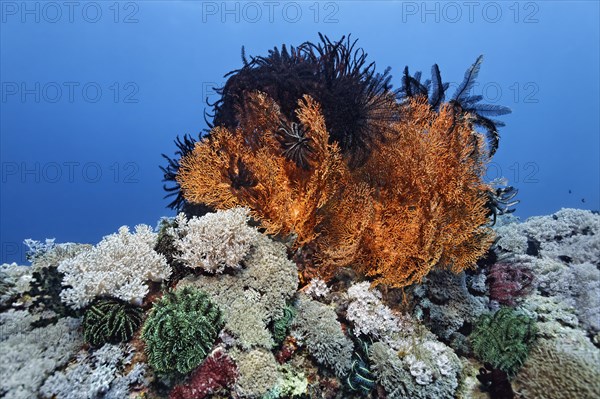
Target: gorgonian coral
x=421 y=196
x=427 y=192
x=246 y=167
x=180 y=331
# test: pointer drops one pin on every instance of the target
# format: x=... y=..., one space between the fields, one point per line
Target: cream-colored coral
x=214 y=241
x=119 y=266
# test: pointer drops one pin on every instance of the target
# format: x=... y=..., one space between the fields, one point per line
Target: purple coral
x=217 y=372
x=509 y=281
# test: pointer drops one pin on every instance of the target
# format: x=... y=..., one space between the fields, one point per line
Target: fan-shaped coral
x=421 y=198
x=247 y=168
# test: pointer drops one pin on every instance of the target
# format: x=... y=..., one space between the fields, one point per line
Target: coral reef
x=180 y=331
x=112 y=321
x=334 y=239
x=254 y=296
x=122 y=262
x=100 y=374
x=504 y=339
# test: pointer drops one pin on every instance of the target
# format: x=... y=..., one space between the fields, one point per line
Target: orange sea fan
x=429 y=201
x=247 y=168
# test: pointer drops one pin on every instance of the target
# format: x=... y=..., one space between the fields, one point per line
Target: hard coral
x=217 y=372
x=119 y=266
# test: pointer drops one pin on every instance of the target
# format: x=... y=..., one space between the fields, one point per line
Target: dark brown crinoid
x=357 y=102
x=296 y=144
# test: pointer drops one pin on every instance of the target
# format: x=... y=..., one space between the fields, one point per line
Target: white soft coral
x=119 y=266
x=214 y=241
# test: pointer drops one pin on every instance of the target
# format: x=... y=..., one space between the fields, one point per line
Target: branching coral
x=317 y=328
x=110 y=321
x=504 y=339
x=180 y=331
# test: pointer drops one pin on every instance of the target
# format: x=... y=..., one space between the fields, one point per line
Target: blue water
x=93 y=92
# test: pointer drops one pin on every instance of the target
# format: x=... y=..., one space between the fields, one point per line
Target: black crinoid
x=463 y=101
x=501 y=199
x=296 y=144
x=179 y=204
x=357 y=102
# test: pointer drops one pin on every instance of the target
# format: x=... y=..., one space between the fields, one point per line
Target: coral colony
x=335 y=238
